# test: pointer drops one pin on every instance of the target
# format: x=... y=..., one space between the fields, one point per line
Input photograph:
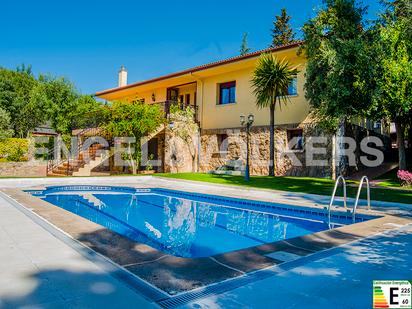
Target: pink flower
x=405 y=177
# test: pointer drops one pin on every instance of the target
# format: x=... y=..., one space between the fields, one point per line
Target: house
x=220 y=92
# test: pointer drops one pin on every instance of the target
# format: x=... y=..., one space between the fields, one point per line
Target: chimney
x=122 y=76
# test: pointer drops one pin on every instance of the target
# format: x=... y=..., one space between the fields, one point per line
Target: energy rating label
x=392 y=294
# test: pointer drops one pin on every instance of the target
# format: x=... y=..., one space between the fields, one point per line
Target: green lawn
x=296 y=184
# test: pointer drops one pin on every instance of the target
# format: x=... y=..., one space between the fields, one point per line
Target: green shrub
x=14 y=149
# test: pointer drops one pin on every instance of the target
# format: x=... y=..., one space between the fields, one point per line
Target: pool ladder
x=355 y=206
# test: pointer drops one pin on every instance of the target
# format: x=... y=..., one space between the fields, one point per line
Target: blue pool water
x=188 y=224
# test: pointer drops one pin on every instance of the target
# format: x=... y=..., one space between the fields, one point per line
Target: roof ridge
x=203 y=67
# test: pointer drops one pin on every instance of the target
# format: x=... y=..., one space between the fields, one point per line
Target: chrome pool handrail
x=368 y=196
x=334 y=195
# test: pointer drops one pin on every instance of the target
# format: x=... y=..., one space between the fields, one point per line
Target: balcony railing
x=166 y=107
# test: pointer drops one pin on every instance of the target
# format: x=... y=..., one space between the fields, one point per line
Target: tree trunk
x=132 y=162
x=341 y=159
x=400 y=140
x=272 y=141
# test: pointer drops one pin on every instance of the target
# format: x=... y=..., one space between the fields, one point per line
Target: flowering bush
x=405 y=177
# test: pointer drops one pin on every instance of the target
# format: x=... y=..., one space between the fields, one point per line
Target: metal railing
x=55 y=159
x=166 y=107
x=340 y=178
x=368 y=196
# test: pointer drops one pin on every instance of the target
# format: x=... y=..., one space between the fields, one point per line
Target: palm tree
x=270 y=81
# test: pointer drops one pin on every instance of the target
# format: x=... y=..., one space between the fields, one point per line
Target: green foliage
x=61 y=104
x=393 y=63
x=5 y=130
x=393 y=70
x=271 y=79
x=14 y=149
x=17 y=98
x=244 y=48
x=339 y=77
x=31 y=101
x=282 y=33
x=89 y=113
x=133 y=119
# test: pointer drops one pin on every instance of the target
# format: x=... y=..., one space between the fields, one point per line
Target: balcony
x=166 y=106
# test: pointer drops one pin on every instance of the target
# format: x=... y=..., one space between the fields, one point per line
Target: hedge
x=14 y=149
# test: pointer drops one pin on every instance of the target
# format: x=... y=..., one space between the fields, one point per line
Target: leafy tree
x=244 y=48
x=186 y=129
x=270 y=81
x=282 y=32
x=338 y=73
x=89 y=113
x=15 y=93
x=31 y=101
x=393 y=49
x=133 y=119
x=5 y=130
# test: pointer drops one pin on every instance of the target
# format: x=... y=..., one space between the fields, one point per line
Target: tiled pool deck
x=177 y=276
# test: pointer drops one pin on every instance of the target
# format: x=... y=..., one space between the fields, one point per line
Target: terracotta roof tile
x=202 y=67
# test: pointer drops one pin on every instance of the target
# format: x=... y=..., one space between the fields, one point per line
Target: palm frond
x=271 y=80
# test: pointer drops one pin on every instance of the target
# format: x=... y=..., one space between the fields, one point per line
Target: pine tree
x=244 y=48
x=282 y=33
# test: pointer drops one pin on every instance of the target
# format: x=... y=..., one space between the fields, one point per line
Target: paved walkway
x=341 y=280
x=40 y=271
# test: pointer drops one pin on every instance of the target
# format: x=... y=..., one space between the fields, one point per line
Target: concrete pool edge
x=135 y=283
x=237 y=263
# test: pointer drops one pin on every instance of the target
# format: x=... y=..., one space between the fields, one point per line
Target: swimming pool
x=189 y=224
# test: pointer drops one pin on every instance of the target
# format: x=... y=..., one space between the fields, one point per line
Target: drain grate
x=218 y=288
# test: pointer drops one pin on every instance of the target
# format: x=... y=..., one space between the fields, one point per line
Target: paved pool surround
x=179 y=276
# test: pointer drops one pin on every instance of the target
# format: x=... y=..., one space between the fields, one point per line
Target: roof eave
x=200 y=68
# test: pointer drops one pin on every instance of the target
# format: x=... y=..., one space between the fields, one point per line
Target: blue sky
x=87 y=41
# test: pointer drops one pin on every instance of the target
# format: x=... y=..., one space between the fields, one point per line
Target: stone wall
x=180 y=156
x=23 y=169
x=212 y=158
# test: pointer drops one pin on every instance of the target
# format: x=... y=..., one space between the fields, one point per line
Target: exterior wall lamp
x=247 y=122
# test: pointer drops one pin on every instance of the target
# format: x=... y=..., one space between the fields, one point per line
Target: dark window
x=172 y=94
x=293 y=87
x=295 y=139
x=227 y=93
x=222 y=142
x=152 y=149
x=181 y=98
x=187 y=99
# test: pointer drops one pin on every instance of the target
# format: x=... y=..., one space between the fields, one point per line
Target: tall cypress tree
x=244 y=48
x=282 y=32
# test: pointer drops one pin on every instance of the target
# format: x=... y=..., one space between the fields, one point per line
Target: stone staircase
x=82 y=165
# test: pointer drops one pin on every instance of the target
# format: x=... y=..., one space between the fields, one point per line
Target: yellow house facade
x=199 y=87
x=220 y=92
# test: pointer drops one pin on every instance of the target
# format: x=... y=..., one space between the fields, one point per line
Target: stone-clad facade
x=211 y=157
